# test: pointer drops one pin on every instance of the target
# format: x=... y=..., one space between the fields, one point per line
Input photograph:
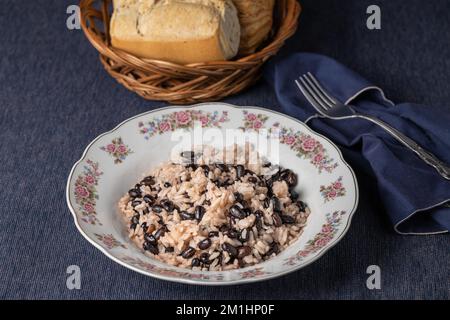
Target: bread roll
x=181 y=31
x=256 y=19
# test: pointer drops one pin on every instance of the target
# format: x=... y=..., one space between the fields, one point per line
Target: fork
x=331 y=108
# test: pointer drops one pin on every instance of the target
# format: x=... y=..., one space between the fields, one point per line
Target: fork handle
x=425 y=155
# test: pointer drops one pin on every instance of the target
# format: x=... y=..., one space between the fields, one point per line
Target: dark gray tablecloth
x=55 y=98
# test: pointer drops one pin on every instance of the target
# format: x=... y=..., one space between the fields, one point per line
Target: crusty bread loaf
x=181 y=31
x=256 y=19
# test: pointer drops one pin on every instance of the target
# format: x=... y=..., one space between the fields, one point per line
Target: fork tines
x=315 y=93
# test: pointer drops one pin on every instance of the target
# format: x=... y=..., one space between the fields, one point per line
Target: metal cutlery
x=331 y=108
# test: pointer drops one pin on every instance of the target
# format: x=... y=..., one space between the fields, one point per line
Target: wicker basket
x=183 y=84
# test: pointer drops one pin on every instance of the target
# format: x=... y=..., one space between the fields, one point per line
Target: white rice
x=187 y=201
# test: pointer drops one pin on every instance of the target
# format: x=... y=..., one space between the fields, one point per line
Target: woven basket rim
x=183 y=84
x=103 y=45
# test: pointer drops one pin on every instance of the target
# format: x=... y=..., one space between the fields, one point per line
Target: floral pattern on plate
x=109 y=241
x=182 y=120
x=170 y=272
x=254 y=121
x=254 y=273
x=333 y=191
x=321 y=239
x=117 y=149
x=305 y=146
x=85 y=192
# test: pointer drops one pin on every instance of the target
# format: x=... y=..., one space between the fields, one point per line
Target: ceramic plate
x=114 y=161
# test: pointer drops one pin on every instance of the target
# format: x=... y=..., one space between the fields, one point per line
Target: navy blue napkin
x=415 y=196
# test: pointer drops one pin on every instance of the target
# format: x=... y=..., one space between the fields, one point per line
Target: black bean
x=188 y=253
x=199 y=212
x=244 y=251
x=301 y=206
x=269 y=192
x=267 y=165
x=252 y=179
x=160 y=232
x=204 y=258
x=259 y=213
x=266 y=203
x=150 y=238
x=258 y=220
x=231 y=220
x=157 y=208
x=231 y=233
x=238 y=197
x=273 y=249
x=204 y=244
x=136 y=203
x=169 y=249
x=167 y=185
x=289 y=176
x=186 y=215
x=133 y=226
x=225 y=183
x=195 y=262
x=247 y=211
x=277 y=222
x=167 y=205
x=205 y=169
x=150 y=247
x=221 y=166
x=269 y=182
x=276 y=175
x=148 y=199
x=144 y=226
x=243 y=204
x=134 y=193
x=135 y=219
x=232 y=251
x=145 y=211
x=287 y=219
x=250 y=172
x=244 y=236
x=276 y=205
x=294 y=195
x=212 y=234
x=237 y=212
x=193 y=166
x=218 y=183
x=148 y=181
x=188 y=155
x=240 y=171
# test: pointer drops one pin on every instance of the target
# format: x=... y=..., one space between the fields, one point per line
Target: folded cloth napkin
x=415 y=196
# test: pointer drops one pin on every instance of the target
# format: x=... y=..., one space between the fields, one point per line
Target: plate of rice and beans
x=216 y=212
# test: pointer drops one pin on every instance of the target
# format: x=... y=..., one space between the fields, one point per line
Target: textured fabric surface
x=55 y=98
x=394 y=167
